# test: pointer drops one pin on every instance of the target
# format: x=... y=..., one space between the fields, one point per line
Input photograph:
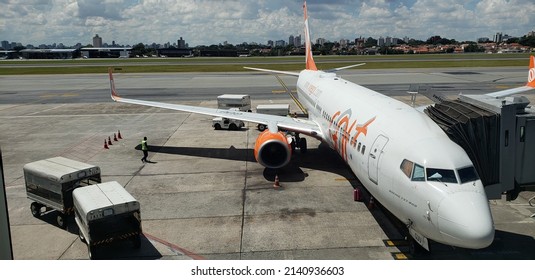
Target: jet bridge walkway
x=473 y=129
x=498 y=136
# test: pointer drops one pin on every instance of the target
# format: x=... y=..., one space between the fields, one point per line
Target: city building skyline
x=294 y=40
x=97 y=41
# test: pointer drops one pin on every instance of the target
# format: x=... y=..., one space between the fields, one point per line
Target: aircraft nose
x=465 y=220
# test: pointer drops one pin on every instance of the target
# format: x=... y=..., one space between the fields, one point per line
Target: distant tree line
x=527 y=41
x=254 y=49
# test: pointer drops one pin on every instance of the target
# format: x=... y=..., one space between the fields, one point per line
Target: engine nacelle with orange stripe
x=272 y=150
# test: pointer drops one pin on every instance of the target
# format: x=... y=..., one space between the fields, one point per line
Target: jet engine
x=272 y=150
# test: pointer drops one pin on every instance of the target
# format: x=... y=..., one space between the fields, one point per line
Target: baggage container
x=106 y=213
x=50 y=182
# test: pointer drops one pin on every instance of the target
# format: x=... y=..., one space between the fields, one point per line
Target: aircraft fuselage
x=393 y=149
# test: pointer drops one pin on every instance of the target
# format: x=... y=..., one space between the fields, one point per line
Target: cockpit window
x=441 y=175
x=406 y=167
x=418 y=173
x=467 y=174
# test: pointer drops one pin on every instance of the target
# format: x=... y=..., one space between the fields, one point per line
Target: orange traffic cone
x=114 y=137
x=276 y=185
x=109 y=141
x=119 y=135
x=105 y=144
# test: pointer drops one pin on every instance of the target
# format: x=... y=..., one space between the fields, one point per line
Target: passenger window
x=358 y=147
x=418 y=173
x=363 y=148
x=406 y=167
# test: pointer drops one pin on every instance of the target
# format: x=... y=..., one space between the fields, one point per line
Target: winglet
x=114 y=94
x=310 y=64
x=531 y=73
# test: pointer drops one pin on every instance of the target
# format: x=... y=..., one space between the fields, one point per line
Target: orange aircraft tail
x=310 y=64
x=531 y=73
x=114 y=94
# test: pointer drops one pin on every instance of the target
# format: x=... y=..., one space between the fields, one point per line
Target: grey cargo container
x=106 y=213
x=50 y=182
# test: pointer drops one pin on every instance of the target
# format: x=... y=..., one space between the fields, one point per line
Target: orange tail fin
x=310 y=64
x=114 y=94
x=531 y=75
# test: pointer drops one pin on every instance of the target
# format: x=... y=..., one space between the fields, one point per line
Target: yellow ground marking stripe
x=399 y=256
x=393 y=243
x=68 y=94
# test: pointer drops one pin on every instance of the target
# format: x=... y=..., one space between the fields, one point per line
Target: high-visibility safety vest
x=144 y=145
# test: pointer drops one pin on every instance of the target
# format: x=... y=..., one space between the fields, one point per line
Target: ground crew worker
x=145 y=149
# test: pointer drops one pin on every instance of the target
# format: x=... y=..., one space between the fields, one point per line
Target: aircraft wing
x=529 y=86
x=273 y=122
x=508 y=92
x=273 y=71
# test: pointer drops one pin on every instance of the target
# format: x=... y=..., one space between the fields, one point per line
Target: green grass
x=294 y=63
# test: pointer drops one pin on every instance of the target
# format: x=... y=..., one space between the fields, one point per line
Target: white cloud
x=499 y=14
x=236 y=21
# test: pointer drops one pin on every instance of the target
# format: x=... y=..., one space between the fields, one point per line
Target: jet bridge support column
x=507 y=152
x=6 y=251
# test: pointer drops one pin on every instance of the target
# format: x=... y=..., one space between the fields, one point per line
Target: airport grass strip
x=235 y=65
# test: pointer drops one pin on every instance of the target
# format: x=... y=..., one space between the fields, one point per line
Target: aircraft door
x=373 y=158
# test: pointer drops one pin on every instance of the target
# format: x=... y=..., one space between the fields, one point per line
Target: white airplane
x=398 y=153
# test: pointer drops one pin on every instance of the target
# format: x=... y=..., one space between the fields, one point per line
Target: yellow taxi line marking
x=70 y=94
x=281 y=91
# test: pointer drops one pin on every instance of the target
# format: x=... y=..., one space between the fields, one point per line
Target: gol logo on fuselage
x=343 y=131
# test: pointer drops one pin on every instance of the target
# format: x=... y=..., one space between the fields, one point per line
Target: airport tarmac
x=203 y=196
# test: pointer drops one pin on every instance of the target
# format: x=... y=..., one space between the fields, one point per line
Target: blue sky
x=236 y=21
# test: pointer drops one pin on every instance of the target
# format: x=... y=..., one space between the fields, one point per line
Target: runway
x=205 y=196
x=178 y=87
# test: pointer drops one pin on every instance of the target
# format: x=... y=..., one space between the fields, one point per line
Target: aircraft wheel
x=293 y=145
x=91 y=252
x=261 y=127
x=36 y=209
x=303 y=145
x=217 y=126
x=416 y=250
x=81 y=235
x=60 y=219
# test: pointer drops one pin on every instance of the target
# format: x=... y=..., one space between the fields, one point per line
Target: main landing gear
x=298 y=142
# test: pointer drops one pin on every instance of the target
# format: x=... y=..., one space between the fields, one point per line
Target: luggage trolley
x=50 y=182
x=106 y=213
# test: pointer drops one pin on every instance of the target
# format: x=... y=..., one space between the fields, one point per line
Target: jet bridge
x=498 y=135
